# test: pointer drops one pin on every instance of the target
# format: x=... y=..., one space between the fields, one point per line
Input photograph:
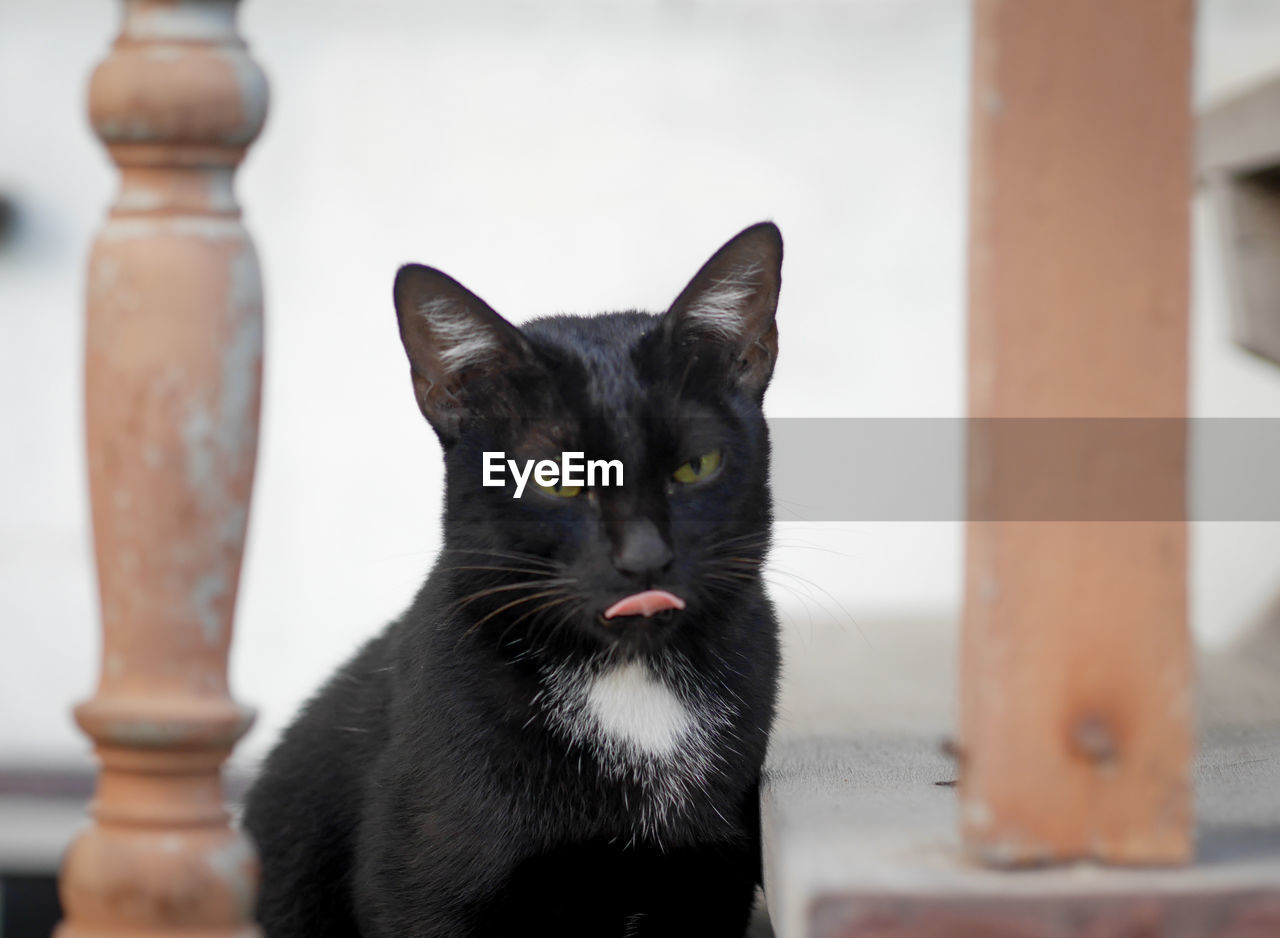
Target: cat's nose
x=641 y=552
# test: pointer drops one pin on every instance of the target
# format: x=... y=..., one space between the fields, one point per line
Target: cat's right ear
x=462 y=354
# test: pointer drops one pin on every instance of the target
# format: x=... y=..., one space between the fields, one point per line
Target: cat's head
x=674 y=398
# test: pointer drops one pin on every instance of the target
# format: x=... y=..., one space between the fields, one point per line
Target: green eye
x=561 y=491
x=698 y=468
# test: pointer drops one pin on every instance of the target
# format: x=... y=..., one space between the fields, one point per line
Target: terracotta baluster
x=1076 y=682
x=173 y=359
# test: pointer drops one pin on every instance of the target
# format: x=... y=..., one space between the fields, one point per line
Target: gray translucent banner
x=1041 y=469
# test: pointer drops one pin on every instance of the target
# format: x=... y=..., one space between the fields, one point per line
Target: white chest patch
x=633 y=707
x=648 y=725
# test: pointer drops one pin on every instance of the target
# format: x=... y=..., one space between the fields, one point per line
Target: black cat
x=563 y=735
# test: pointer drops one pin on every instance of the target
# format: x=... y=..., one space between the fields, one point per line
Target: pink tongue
x=644 y=604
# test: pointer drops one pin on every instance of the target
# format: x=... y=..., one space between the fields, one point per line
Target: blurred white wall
x=560 y=155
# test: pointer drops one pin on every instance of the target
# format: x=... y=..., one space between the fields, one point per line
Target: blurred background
x=553 y=155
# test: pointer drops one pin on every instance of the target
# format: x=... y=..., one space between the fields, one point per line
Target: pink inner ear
x=644 y=604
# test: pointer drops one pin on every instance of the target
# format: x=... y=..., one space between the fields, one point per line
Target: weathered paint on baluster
x=172 y=382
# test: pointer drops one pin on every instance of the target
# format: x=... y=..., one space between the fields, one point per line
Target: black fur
x=427 y=789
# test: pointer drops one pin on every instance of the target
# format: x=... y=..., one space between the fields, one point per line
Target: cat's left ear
x=731 y=303
x=465 y=359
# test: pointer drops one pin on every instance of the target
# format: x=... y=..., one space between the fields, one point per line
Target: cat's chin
x=637 y=633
